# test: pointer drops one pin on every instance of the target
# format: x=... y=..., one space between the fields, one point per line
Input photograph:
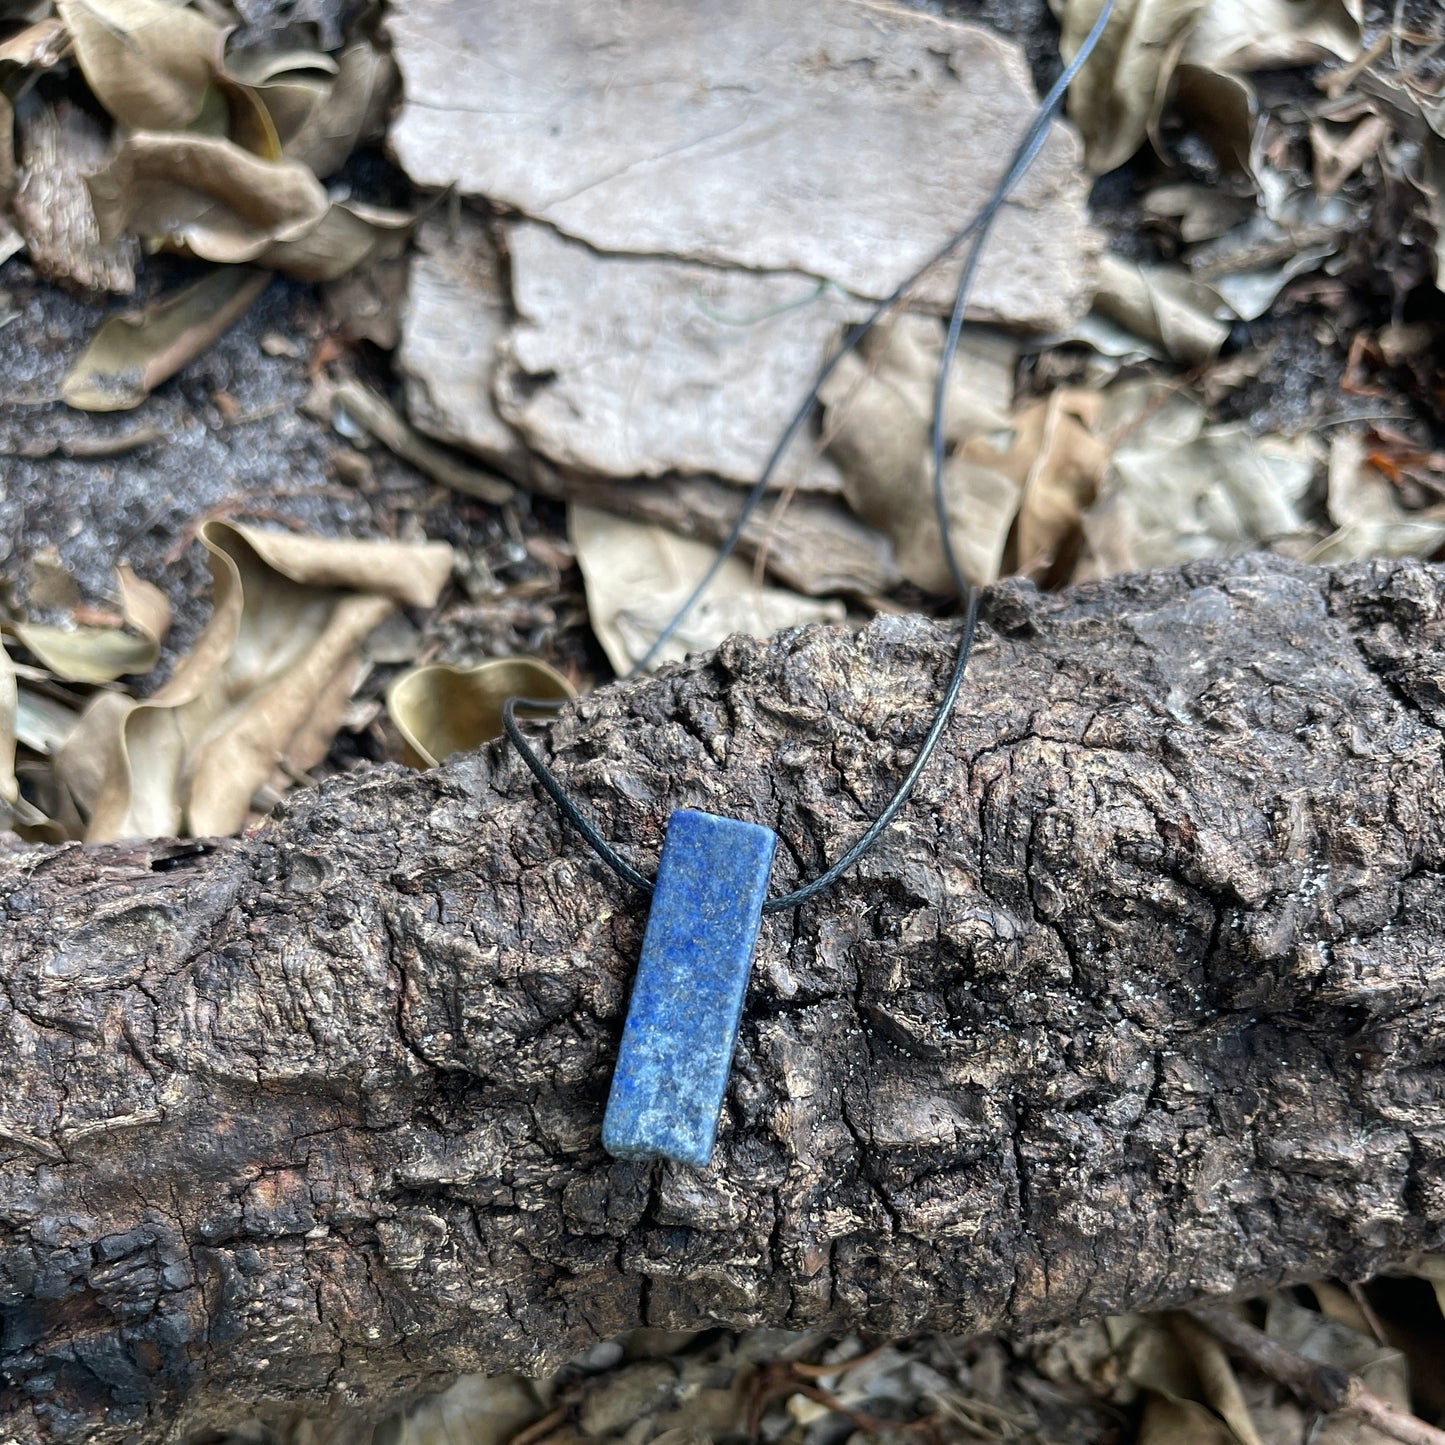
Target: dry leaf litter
x=615 y=306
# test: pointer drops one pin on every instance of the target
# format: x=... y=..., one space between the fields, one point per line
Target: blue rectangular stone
x=687 y=999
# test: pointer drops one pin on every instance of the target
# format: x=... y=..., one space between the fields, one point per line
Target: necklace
x=710 y=893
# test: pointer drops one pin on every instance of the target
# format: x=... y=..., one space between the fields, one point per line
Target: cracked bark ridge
x=1139 y=1001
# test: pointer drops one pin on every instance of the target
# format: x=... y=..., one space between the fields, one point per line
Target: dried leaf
x=41 y=723
x=1246 y=35
x=354 y=107
x=1176 y=490
x=477 y=1410
x=102 y=654
x=206 y=195
x=9 y=788
x=878 y=409
x=1167 y=1421
x=1217 y=1380
x=638 y=575
x=1065 y=463
x=16 y=809
x=1223 y=108
x=248 y=122
x=347 y=236
x=266 y=684
x=133 y=353
x=86 y=654
x=1365 y=507
x=1431 y=1267
x=1202 y=212
x=1122 y=85
x=149 y=63
x=440 y=709
x=1381 y=1367
x=37 y=47
x=1162 y=304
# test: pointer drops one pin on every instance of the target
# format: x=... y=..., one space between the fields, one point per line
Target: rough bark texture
x=1140 y=1000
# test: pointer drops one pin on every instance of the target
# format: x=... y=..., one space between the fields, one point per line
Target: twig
x=1334 y=1391
x=540 y=1429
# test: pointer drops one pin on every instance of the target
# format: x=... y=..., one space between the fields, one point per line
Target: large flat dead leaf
x=131 y=354
x=458 y=310
x=1163 y=305
x=631 y=366
x=839 y=140
x=349 y=235
x=150 y=64
x=638 y=575
x=266 y=684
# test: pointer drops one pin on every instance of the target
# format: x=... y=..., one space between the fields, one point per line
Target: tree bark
x=1139 y=1001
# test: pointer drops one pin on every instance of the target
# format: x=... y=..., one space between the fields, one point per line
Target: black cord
x=979 y=226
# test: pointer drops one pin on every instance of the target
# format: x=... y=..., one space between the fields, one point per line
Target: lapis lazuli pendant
x=687 y=999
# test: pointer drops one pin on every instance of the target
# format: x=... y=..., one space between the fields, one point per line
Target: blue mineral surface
x=687 y=999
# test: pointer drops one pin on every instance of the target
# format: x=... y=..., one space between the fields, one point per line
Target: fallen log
x=1140 y=1001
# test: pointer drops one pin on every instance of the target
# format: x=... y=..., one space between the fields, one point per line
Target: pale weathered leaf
x=85 y=654
x=266 y=684
x=42 y=723
x=358 y=404
x=133 y=353
x=762 y=135
x=477 y=1410
x=642 y=366
x=1122 y=85
x=149 y=63
x=638 y=575
x=1064 y=464
x=15 y=809
x=206 y=195
x=1202 y=212
x=9 y=790
x=440 y=709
